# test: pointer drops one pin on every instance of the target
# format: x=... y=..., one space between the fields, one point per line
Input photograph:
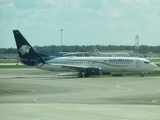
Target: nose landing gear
x=141 y=75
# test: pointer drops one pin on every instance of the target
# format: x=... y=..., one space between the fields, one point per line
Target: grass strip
x=13 y=66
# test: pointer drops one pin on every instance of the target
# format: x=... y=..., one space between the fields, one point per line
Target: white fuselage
x=107 y=64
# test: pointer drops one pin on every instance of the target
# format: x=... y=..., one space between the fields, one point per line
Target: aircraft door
x=137 y=63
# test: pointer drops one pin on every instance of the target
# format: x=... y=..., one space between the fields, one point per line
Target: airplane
x=111 y=54
x=84 y=66
x=77 y=54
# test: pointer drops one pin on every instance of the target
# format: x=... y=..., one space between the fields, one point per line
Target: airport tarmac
x=28 y=93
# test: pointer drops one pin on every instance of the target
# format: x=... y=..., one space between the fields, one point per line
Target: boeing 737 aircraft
x=83 y=65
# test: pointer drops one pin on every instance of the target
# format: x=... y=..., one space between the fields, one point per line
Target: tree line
x=54 y=50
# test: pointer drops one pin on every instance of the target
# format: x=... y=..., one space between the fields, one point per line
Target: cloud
x=6 y=10
x=80 y=19
x=25 y=4
x=92 y=4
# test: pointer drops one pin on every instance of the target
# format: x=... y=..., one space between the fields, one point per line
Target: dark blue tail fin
x=26 y=53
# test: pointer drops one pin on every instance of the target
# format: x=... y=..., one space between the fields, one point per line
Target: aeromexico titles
x=84 y=66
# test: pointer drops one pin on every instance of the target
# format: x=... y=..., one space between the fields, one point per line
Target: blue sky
x=84 y=22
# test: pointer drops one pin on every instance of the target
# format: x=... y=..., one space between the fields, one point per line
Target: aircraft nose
x=154 y=66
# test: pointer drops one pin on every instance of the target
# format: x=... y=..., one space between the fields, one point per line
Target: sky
x=84 y=22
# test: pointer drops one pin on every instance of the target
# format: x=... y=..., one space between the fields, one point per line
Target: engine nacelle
x=94 y=71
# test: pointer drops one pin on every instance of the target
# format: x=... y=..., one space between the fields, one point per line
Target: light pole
x=61 y=36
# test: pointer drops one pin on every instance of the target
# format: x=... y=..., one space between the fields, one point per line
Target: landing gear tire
x=141 y=75
x=80 y=75
x=86 y=75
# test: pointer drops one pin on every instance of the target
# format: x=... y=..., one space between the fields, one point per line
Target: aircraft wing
x=75 y=67
x=65 y=66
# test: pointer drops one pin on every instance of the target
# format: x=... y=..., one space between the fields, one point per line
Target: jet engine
x=93 y=71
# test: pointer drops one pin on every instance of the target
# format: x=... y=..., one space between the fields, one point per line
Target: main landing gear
x=80 y=75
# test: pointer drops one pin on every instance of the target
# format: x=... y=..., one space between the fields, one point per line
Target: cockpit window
x=147 y=62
